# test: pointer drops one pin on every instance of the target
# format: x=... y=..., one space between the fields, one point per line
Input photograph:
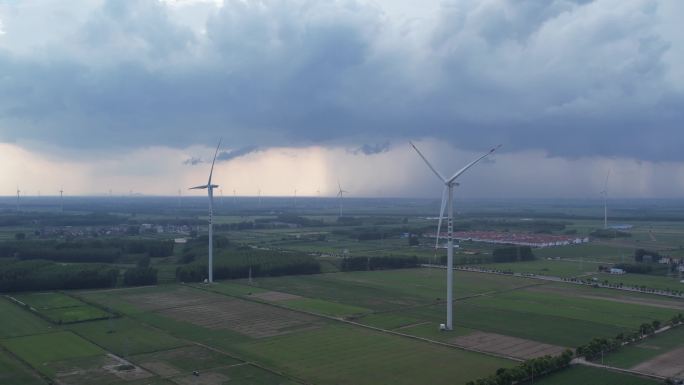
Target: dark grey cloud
x=372 y=149
x=575 y=78
x=193 y=161
x=225 y=156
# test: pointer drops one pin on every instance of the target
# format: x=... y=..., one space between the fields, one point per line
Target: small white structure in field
x=617 y=271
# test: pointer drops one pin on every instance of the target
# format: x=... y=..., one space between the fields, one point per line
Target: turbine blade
x=214 y=161
x=605 y=187
x=428 y=163
x=199 y=187
x=441 y=215
x=471 y=164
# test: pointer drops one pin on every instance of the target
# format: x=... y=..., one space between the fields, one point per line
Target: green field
x=588 y=251
x=650 y=281
x=14 y=372
x=349 y=355
x=410 y=299
x=60 y=308
x=582 y=375
x=629 y=356
x=557 y=268
x=124 y=336
x=391 y=289
x=42 y=349
x=17 y=321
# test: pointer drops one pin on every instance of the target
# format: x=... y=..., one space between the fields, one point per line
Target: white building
x=617 y=271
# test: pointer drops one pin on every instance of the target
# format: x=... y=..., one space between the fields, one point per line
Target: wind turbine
x=18 y=192
x=259 y=193
x=605 y=202
x=210 y=191
x=447 y=198
x=294 y=201
x=340 y=194
x=61 y=198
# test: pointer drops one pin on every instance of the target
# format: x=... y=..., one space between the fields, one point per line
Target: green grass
x=390 y=289
x=584 y=375
x=629 y=356
x=320 y=306
x=16 y=321
x=60 y=308
x=188 y=358
x=124 y=336
x=342 y=354
x=39 y=350
x=50 y=300
x=650 y=281
x=558 y=268
x=590 y=251
x=14 y=372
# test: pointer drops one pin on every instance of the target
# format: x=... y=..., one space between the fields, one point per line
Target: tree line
x=513 y=254
x=97 y=251
x=530 y=369
x=236 y=263
x=378 y=263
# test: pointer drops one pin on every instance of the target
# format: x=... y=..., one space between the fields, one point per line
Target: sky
x=134 y=95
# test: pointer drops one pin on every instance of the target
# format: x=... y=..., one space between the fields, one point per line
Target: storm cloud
x=571 y=78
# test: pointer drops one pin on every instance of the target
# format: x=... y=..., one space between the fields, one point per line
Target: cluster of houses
x=521 y=239
x=116 y=230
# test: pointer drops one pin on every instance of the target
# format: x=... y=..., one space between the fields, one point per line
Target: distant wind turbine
x=61 y=198
x=340 y=194
x=294 y=201
x=447 y=199
x=210 y=192
x=18 y=192
x=605 y=202
x=259 y=194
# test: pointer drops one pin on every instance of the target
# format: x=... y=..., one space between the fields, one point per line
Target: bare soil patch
x=506 y=345
x=218 y=312
x=106 y=369
x=670 y=364
x=276 y=296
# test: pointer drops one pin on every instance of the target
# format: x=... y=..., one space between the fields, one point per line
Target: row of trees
x=47 y=275
x=36 y=275
x=378 y=263
x=237 y=264
x=599 y=346
x=534 y=368
x=97 y=251
x=634 y=268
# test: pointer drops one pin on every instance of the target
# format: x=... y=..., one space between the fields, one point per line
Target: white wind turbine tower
x=210 y=191
x=61 y=198
x=259 y=194
x=340 y=194
x=18 y=192
x=447 y=198
x=605 y=202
